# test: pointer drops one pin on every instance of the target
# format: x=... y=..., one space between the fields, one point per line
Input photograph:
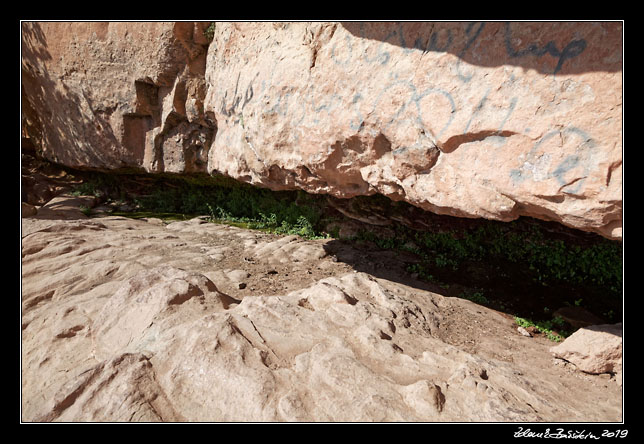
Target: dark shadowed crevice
x=454 y=142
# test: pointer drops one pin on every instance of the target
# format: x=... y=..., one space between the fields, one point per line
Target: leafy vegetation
x=520 y=258
x=548 y=260
x=475 y=296
x=301 y=227
x=85 y=210
x=223 y=200
x=552 y=328
x=519 y=264
x=280 y=213
x=209 y=33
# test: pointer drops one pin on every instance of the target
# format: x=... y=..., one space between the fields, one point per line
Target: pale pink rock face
x=492 y=120
x=594 y=349
x=127 y=320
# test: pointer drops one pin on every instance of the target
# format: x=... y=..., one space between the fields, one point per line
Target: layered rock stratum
x=488 y=120
x=143 y=320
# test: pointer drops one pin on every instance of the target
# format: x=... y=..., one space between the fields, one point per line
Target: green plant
x=209 y=32
x=476 y=297
x=87 y=189
x=558 y=321
x=98 y=185
x=521 y=250
x=420 y=270
x=553 y=336
x=262 y=210
x=545 y=327
x=87 y=211
x=334 y=231
x=546 y=261
x=610 y=314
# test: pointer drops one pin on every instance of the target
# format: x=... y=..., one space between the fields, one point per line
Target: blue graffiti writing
x=570 y=51
x=247 y=97
x=582 y=158
x=432 y=44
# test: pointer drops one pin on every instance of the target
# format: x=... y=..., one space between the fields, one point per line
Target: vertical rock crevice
x=183 y=132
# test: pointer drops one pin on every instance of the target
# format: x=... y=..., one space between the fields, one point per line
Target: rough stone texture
x=110 y=95
x=492 y=120
x=594 y=349
x=28 y=210
x=126 y=320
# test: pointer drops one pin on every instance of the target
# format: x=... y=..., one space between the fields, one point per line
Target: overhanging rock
x=493 y=120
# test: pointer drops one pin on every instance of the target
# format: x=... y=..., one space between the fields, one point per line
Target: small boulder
x=594 y=349
x=28 y=210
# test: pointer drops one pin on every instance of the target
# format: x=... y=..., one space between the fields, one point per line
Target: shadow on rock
x=549 y=48
x=382 y=264
x=65 y=207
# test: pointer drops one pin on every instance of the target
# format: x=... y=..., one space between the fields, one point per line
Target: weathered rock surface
x=138 y=320
x=27 y=209
x=492 y=120
x=594 y=349
x=110 y=95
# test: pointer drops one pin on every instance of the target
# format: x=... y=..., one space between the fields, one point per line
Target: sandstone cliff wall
x=492 y=120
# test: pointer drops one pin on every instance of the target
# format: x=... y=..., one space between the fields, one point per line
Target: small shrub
x=476 y=297
x=209 y=32
x=545 y=327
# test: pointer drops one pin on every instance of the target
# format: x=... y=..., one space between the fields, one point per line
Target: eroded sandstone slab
x=135 y=320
